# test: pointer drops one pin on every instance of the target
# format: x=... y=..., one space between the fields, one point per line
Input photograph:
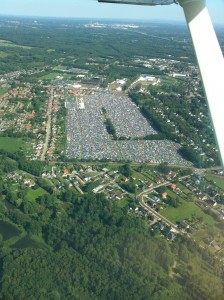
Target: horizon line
x=102 y=18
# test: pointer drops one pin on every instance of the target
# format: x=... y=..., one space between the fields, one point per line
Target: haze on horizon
x=92 y=9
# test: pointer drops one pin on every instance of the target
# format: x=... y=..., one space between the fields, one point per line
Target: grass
x=219 y=182
x=148 y=176
x=33 y=194
x=186 y=210
x=50 y=76
x=60 y=68
x=183 y=188
x=122 y=203
x=7 y=230
x=172 y=194
x=169 y=80
x=5 y=43
x=139 y=176
x=10 y=144
x=29 y=241
x=3 y=54
x=3 y=90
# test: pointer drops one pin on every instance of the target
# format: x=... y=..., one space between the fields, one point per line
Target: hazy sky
x=93 y=9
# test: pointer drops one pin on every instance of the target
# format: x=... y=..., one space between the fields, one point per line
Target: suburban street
x=152 y=211
x=48 y=127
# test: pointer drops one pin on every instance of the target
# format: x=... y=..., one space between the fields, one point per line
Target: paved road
x=152 y=211
x=48 y=129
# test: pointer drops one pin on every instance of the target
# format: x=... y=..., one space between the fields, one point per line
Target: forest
x=43 y=42
x=86 y=247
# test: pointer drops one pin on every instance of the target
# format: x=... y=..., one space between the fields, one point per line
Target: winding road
x=151 y=211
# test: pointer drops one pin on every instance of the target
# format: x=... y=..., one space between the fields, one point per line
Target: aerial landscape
x=111 y=185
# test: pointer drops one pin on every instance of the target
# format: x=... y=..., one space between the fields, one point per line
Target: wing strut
x=211 y=63
x=209 y=56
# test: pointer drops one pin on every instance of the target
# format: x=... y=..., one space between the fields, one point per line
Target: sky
x=93 y=9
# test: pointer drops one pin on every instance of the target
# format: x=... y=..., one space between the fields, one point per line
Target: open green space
x=139 y=176
x=33 y=194
x=8 y=230
x=5 y=43
x=3 y=54
x=148 y=176
x=60 y=68
x=182 y=188
x=50 y=50
x=50 y=76
x=168 y=79
x=186 y=210
x=218 y=181
x=3 y=90
x=28 y=242
x=122 y=203
x=10 y=144
x=172 y=194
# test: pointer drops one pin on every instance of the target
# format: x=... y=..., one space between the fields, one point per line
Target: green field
x=50 y=50
x=4 y=43
x=218 y=181
x=60 y=68
x=3 y=54
x=138 y=175
x=33 y=194
x=122 y=203
x=186 y=210
x=3 y=90
x=10 y=144
x=50 y=76
x=7 y=230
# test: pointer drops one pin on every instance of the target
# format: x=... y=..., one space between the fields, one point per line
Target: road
x=48 y=127
x=152 y=211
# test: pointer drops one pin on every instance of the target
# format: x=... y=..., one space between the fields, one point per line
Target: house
x=202 y=196
x=212 y=202
x=169 y=235
x=164 y=195
x=86 y=179
x=183 y=225
x=29 y=182
x=173 y=186
x=155 y=199
x=192 y=188
x=173 y=175
x=158 y=180
x=190 y=230
x=98 y=189
x=215 y=245
x=149 y=184
x=119 y=196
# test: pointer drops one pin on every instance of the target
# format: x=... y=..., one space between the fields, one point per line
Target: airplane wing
x=140 y=2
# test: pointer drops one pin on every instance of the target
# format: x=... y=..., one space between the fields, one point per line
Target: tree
x=163 y=168
x=126 y=170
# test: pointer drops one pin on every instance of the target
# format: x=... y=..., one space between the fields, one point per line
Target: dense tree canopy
x=86 y=247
